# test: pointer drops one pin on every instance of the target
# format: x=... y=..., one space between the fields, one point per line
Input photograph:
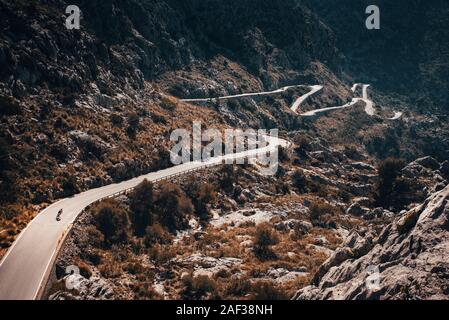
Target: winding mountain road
x=369 y=109
x=25 y=268
x=300 y=100
x=249 y=95
x=397 y=115
x=369 y=105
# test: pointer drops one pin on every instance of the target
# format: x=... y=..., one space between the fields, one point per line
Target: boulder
x=356 y=210
x=429 y=163
x=362 y=166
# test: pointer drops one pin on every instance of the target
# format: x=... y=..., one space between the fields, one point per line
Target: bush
x=61 y=124
x=95 y=237
x=145 y=291
x=388 y=187
x=198 y=288
x=263 y=240
x=112 y=220
x=164 y=160
x=84 y=269
x=141 y=207
x=70 y=185
x=201 y=194
x=8 y=106
x=159 y=118
x=233 y=105
x=173 y=208
x=10 y=212
x=299 y=181
x=321 y=214
x=59 y=151
x=156 y=234
x=238 y=287
x=168 y=103
x=266 y=290
x=284 y=155
x=161 y=254
x=303 y=145
x=229 y=178
x=110 y=270
x=117 y=120
x=133 y=125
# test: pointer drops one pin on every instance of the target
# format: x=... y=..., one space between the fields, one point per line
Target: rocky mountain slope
x=410 y=256
x=88 y=103
x=84 y=108
x=409 y=54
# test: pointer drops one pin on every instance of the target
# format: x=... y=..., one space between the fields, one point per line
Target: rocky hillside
x=83 y=108
x=409 y=54
x=410 y=255
x=88 y=104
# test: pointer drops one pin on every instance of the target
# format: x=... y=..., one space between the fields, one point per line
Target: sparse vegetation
x=266 y=290
x=322 y=214
x=264 y=239
x=198 y=287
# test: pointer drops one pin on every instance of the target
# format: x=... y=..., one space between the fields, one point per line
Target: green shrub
x=201 y=194
x=112 y=220
x=173 y=208
x=389 y=186
x=141 y=205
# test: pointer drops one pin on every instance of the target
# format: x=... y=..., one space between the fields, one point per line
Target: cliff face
x=141 y=39
x=410 y=256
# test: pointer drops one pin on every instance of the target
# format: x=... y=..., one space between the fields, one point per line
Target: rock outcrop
x=407 y=260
